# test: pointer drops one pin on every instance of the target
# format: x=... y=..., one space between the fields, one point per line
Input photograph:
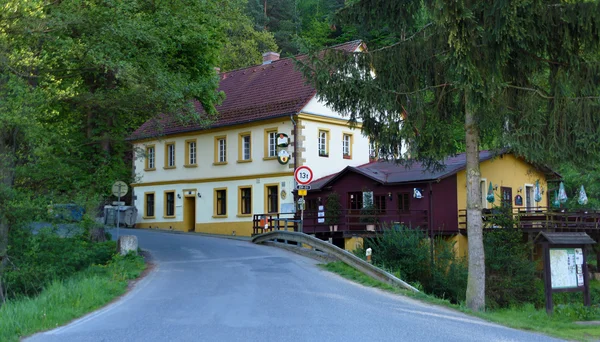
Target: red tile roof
x=255 y=93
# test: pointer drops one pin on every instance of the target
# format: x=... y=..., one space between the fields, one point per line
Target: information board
x=564 y=272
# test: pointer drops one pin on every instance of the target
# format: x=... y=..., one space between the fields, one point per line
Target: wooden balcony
x=537 y=219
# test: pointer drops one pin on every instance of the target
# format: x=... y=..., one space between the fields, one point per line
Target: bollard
x=369 y=251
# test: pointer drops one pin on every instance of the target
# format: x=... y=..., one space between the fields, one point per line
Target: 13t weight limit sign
x=303 y=175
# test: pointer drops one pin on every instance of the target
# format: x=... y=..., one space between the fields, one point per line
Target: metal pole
x=302 y=215
x=118 y=213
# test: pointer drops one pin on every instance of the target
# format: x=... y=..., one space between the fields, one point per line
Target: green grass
x=527 y=317
x=64 y=301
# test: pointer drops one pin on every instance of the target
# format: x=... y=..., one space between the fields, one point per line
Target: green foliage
x=78 y=78
x=510 y=272
x=63 y=301
x=407 y=253
x=527 y=71
x=38 y=259
x=299 y=26
x=574 y=177
x=333 y=208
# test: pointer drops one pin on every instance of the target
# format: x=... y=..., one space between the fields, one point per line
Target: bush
x=449 y=273
x=39 y=259
x=407 y=253
x=510 y=272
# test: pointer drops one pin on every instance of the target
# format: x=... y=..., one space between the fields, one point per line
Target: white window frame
x=222 y=150
x=346 y=142
x=246 y=147
x=323 y=148
x=272 y=141
x=151 y=157
x=192 y=152
x=171 y=155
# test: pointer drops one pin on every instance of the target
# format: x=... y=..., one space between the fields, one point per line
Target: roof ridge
x=291 y=57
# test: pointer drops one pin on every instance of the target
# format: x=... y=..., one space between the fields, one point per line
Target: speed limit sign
x=303 y=175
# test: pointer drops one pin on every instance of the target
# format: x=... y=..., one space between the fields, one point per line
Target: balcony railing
x=347 y=221
x=540 y=218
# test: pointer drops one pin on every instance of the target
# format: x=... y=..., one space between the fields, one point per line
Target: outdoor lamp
x=179 y=196
x=390 y=195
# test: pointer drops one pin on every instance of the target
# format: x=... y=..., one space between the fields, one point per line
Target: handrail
x=344 y=256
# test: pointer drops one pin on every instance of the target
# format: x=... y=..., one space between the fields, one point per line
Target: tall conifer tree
x=463 y=74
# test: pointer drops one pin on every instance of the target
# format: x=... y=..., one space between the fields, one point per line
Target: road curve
x=215 y=289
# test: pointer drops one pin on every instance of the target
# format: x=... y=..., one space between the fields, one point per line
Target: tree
x=245 y=44
x=516 y=74
x=76 y=77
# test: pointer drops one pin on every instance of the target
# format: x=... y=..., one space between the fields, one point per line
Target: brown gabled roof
x=386 y=172
x=256 y=93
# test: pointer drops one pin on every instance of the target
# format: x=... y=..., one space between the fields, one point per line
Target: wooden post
x=586 y=280
x=547 y=279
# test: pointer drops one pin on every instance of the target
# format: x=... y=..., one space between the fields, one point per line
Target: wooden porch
x=537 y=219
x=349 y=222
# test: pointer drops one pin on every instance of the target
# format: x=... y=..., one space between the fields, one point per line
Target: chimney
x=269 y=57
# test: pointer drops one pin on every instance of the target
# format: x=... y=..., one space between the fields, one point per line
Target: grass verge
x=561 y=324
x=64 y=301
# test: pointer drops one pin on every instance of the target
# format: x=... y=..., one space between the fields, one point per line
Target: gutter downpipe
x=296 y=165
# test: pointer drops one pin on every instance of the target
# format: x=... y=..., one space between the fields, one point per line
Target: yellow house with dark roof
x=213 y=179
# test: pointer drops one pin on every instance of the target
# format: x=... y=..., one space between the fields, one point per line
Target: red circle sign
x=303 y=175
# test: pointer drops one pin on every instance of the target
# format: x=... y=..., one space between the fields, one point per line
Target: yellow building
x=214 y=179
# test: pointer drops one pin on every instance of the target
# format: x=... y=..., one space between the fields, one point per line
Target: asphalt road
x=215 y=289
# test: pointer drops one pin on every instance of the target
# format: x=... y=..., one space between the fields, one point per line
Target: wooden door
x=354 y=205
x=189 y=213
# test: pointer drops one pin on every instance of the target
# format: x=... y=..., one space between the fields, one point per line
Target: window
x=347 y=145
x=169 y=203
x=169 y=155
x=404 y=202
x=355 y=200
x=220 y=150
x=149 y=205
x=270 y=143
x=372 y=150
x=191 y=153
x=150 y=158
x=245 y=201
x=323 y=143
x=220 y=203
x=380 y=203
x=244 y=148
x=272 y=192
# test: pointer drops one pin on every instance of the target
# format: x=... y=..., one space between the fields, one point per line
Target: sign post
x=119 y=189
x=303 y=176
x=565 y=267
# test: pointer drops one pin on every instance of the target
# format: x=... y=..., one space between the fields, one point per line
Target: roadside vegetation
x=61 y=301
x=59 y=270
x=514 y=288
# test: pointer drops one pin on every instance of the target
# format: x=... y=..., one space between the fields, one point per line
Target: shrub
x=38 y=259
x=510 y=272
x=407 y=253
x=449 y=273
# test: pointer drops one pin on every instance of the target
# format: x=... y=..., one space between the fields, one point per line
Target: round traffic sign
x=303 y=175
x=119 y=189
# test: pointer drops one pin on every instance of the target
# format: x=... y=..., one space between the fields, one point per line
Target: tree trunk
x=476 y=281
